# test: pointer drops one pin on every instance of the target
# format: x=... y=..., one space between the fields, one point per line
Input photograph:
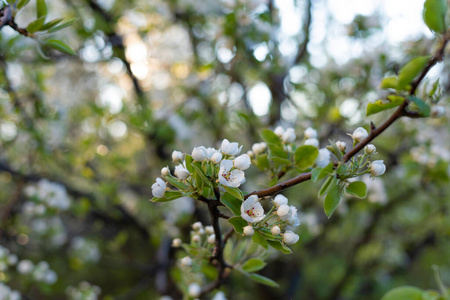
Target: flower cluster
x=84 y=291
x=280 y=227
x=40 y=272
x=6 y=259
x=49 y=194
x=6 y=293
x=84 y=250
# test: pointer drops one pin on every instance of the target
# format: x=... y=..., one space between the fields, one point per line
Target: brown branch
x=302 y=49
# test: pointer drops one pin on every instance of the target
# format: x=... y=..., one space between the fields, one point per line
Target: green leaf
x=327 y=184
x=281 y=161
x=176 y=183
x=277 y=150
x=262 y=162
x=232 y=203
x=259 y=239
x=189 y=160
x=380 y=105
x=357 y=189
x=279 y=246
x=264 y=280
x=22 y=3
x=424 y=109
x=63 y=25
x=431 y=295
x=270 y=137
x=41 y=8
x=169 y=196
x=319 y=173
x=411 y=70
x=51 y=24
x=235 y=192
x=253 y=265
x=390 y=82
x=332 y=200
x=60 y=46
x=267 y=234
x=202 y=176
x=434 y=12
x=238 y=224
x=36 y=25
x=305 y=156
x=404 y=293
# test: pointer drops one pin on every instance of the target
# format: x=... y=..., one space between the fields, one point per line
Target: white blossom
x=377 y=168
x=290 y=237
x=242 y=162
x=359 y=134
x=177 y=156
x=219 y=296
x=248 y=230
x=194 y=290
x=216 y=157
x=196 y=238
x=280 y=200
x=437 y=111
x=197 y=226
x=312 y=142
x=228 y=177
x=25 y=266
x=251 y=210
x=186 y=261
x=230 y=148
x=199 y=153
x=283 y=212
x=341 y=145
x=258 y=148
x=159 y=188
x=288 y=136
x=165 y=171
x=324 y=158
x=275 y=230
x=210 y=152
x=370 y=149
x=310 y=133
x=250 y=153
x=181 y=172
x=293 y=218
x=279 y=131
x=176 y=242
x=212 y=239
x=209 y=229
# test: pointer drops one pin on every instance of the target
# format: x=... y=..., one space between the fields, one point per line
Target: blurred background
x=82 y=139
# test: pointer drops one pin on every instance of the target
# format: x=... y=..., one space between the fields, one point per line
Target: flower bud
x=283 y=211
x=177 y=156
x=377 y=168
x=341 y=145
x=324 y=158
x=275 y=230
x=258 y=148
x=437 y=111
x=194 y=290
x=158 y=188
x=370 y=149
x=197 y=225
x=280 y=200
x=290 y=237
x=242 y=162
x=186 y=261
x=250 y=153
x=310 y=133
x=288 y=136
x=249 y=231
x=212 y=239
x=209 y=229
x=196 y=238
x=359 y=134
x=199 y=153
x=176 y=242
x=312 y=142
x=181 y=172
x=165 y=171
x=216 y=158
x=279 y=131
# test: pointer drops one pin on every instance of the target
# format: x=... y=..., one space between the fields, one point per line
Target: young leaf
x=41 y=8
x=264 y=280
x=380 y=105
x=202 y=176
x=319 y=173
x=281 y=161
x=270 y=137
x=327 y=184
x=169 y=196
x=305 y=156
x=235 y=192
x=51 y=24
x=404 y=293
x=279 y=246
x=262 y=162
x=36 y=25
x=357 y=189
x=389 y=83
x=277 y=150
x=253 y=265
x=232 y=203
x=411 y=70
x=176 y=183
x=22 y=3
x=259 y=239
x=62 y=26
x=238 y=223
x=434 y=12
x=424 y=109
x=60 y=46
x=332 y=200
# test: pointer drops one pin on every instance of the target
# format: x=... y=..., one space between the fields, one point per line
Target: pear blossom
x=228 y=177
x=177 y=156
x=197 y=226
x=210 y=152
x=212 y=239
x=186 y=261
x=248 y=230
x=250 y=153
x=341 y=145
x=437 y=111
x=230 y=148
x=194 y=290
x=279 y=131
x=288 y=136
x=324 y=158
x=242 y=162
x=196 y=238
x=293 y=218
x=199 y=153
x=280 y=200
x=209 y=229
x=310 y=133
x=359 y=134
x=181 y=172
x=370 y=149
x=176 y=242
x=165 y=171
x=159 y=188
x=251 y=210
x=313 y=142
x=283 y=212
x=258 y=148
x=275 y=230
x=377 y=168
x=290 y=237
x=216 y=157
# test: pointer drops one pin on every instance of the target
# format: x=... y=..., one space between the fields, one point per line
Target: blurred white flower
x=159 y=188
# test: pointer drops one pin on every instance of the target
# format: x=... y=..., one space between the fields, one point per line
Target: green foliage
x=238 y=224
x=411 y=70
x=404 y=293
x=357 y=189
x=60 y=46
x=264 y=280
x=332 y=200
x=380 y=105
x=434 y=12
x=253 y=265
x=305 y=156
